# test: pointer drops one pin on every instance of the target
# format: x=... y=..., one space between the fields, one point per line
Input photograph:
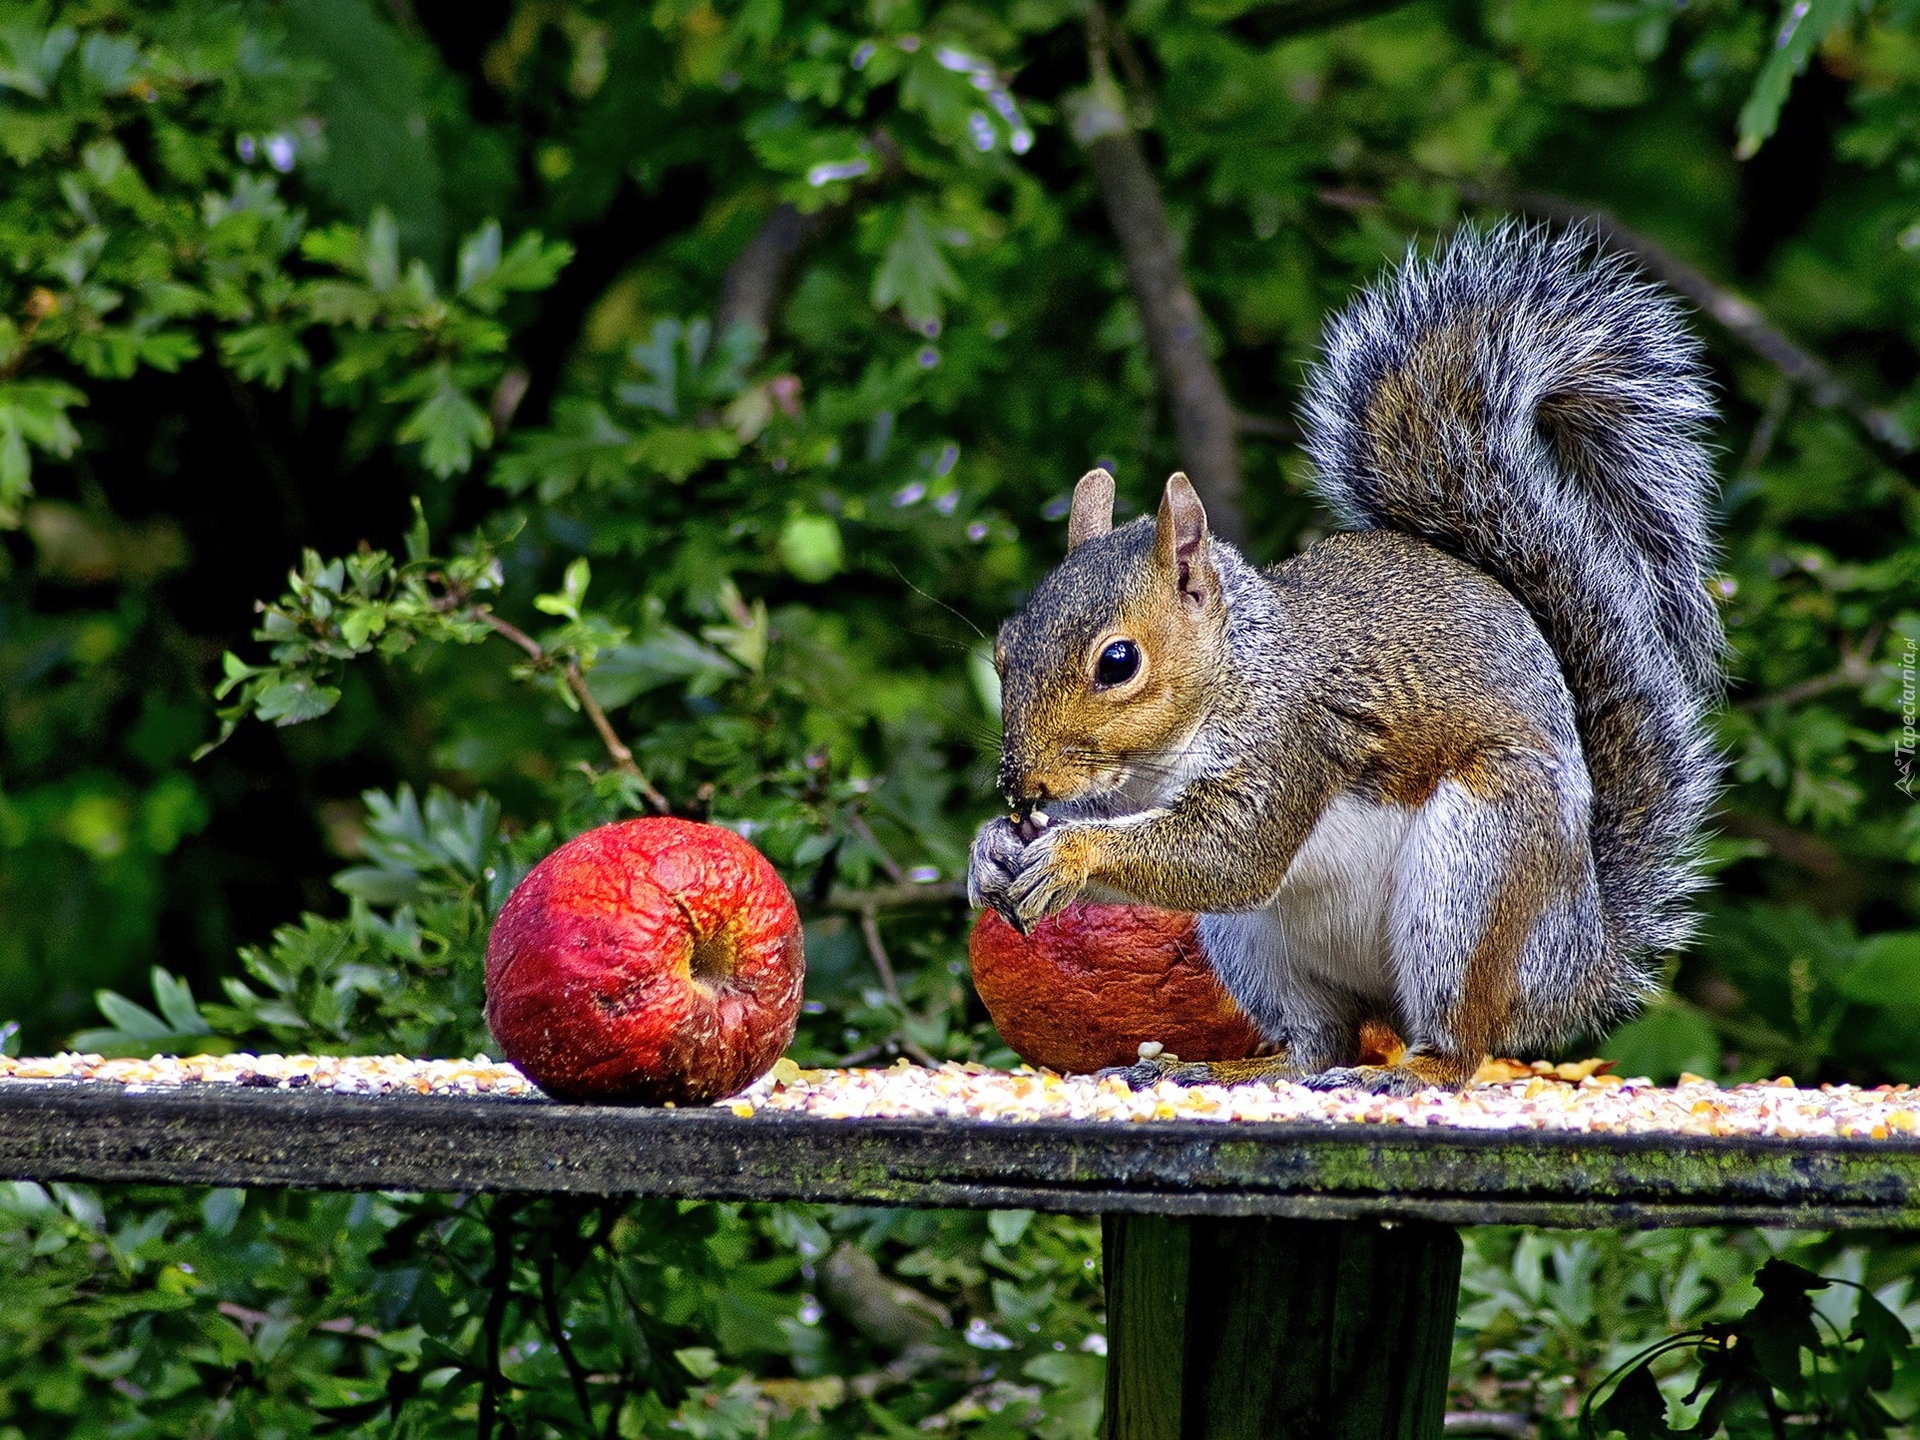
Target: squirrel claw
x=1369 y=1079
x=1146 y=1074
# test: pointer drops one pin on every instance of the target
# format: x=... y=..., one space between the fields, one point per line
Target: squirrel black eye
x=1118 y=663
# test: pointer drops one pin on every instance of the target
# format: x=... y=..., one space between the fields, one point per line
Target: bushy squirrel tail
x=1536 y=409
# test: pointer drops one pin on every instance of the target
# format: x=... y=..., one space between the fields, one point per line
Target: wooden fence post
x=1266 y=1329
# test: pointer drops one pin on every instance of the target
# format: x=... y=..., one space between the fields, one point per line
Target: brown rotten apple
x=1092 y=983
x=652 y=960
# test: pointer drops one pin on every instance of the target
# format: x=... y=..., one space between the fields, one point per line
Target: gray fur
x=1567 y=401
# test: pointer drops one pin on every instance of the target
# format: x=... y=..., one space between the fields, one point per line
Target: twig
x=577 y=683
x=507 y=396
x=1809 y=852
x=1488 y=1422
x=501 y=1283
x=1761 y=443
x=40 y=304
x=896 y=897
x=750 y=290
x=550 y=1302
x=1278 y=19
x=858 y=824
x=1203 y=416
x=1855 y=668
x=1269 y=426
x=753 y=282
x=870 y=930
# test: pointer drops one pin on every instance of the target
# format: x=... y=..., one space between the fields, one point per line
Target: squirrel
x=1447 y=767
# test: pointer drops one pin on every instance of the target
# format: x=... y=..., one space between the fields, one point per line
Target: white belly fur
x=1328 y=920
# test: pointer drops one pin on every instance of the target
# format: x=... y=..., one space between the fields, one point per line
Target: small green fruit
x=810 y=546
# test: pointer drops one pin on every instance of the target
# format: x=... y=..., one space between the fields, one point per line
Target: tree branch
x=500 y=1284
x=1280 y=19
x=758 y=274
x=1809 y=852
x=550 y=1302
x=895 y=897
x=1267 y=426
x=1203 y=416
x=1488 y=1422
x=858 y=824
x=1856 y=668
x=577 y=683
x=892 y=1315
x=751 y=289
x=870 y=932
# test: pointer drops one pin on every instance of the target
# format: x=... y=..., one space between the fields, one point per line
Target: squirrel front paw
x=1048 y=875
x=991 y=866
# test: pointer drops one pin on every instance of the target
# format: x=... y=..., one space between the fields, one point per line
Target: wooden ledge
x=305 y=1140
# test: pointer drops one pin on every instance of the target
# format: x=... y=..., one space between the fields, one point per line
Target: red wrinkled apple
x=1091 y=983
x=653 y=960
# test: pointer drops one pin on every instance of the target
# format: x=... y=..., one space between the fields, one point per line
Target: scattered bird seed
x=1509 y=1095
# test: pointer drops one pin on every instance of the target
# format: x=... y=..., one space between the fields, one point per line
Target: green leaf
x=913 y=273
x=419 y=539
x=1884 y=1342
x=33 y=413
x=1887 y=973
x=177 y=1007
x=1803 y=25
x=699 y=1361
x=1637 y=1408
x=676 y=451
x=1780 y=1325
x=532 y=264
x=380 y=259
x=479 y=257
x=110 y=1308
x=265 y=353
x=30 y=57
x=573 y=592
x=291 y=701
x=582 y=446
x=448 y=426
x=133 y=1020
x=1670 y=1038
x=1007 y=1226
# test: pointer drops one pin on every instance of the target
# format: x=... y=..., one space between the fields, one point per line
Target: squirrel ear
x=1180 y=543
x=1092 y=512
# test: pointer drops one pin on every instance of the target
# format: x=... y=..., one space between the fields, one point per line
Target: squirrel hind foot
x=1410 y=1076
x=1149 y=1073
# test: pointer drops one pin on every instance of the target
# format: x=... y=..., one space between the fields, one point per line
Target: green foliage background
x=416 y=300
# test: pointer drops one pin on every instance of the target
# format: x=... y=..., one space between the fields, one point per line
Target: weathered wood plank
x=220 y=1136
x=1270 y=1329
